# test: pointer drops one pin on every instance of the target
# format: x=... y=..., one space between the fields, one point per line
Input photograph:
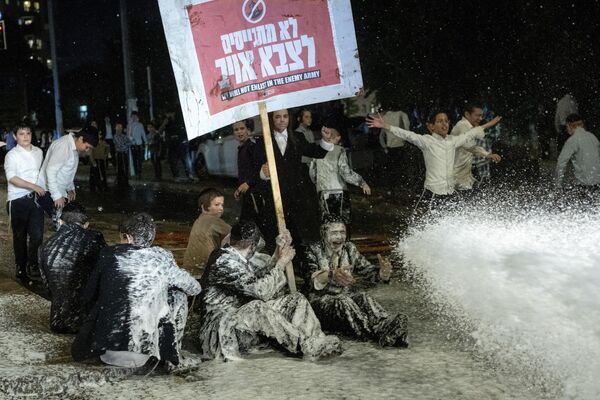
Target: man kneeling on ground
x=332 y=264
x=138 y=298
x=243 y=302
x=66 y=262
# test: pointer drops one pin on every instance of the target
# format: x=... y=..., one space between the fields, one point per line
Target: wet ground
x=439 y=364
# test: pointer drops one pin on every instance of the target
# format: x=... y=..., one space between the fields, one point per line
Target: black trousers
x=137 y=153
x=26 y=220
x=155 y=157
x=111 y=146
x=122 y=170
x=98 y=176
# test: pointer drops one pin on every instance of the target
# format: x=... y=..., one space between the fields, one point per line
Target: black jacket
x=292 y=179
x=66 y=262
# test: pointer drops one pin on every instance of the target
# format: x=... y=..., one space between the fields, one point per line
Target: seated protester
x=66 y=262
x=137 y=297
x=332 y=263
x=331 y=174
x=243 y=303
x=208 y=233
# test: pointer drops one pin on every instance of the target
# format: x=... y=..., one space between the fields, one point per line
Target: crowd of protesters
x=127 y=303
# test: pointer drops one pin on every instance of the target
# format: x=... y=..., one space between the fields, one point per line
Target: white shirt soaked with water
x=583 y=149
x=464 y=156
x=59 y=168
x=24 y=164
x=439 y=154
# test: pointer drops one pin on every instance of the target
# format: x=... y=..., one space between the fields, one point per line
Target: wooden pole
x=289 y=269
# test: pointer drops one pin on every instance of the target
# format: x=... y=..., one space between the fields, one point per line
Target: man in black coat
x=66 y=262
x=289 y=147
x=137 y=297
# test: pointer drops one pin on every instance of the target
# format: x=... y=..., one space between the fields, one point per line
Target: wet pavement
x=439 y=364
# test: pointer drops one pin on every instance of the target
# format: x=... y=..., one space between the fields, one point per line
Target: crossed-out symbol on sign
x=254 y=10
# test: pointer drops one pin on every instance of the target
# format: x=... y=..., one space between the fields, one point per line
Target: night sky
x=513 y=54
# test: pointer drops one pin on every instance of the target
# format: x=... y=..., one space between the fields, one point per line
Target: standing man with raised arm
x=472 y=116
x=438 y=151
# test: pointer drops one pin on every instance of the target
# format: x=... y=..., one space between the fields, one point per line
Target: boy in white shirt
x=22 y=165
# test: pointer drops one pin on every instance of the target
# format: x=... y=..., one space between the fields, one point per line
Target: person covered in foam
x=137 y=298
x=66 y=261
x=245 y=304
x=332 y=265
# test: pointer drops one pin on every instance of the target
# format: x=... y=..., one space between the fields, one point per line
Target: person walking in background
x=109 y=136
x=98 y=161
x=122 y=144
x=155 y=142
x=137 y=137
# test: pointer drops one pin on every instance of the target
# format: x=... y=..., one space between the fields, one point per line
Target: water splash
x=520 y=279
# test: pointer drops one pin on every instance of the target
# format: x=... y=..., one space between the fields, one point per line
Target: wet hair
x=74 y=213
x=244 y=234
x=329 y=219
x=434 y=113
x=22 y=125
x=207 y=196
x=248 y=122
x=573 y=118
x=89 y=135
x=472 y=105
x=141 y=228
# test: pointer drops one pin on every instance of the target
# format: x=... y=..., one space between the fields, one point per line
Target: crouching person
x=332 y=265
x=244 y=302
x=66 y=262
x=138 y=302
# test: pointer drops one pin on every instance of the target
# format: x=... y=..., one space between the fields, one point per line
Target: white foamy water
x=523 y=285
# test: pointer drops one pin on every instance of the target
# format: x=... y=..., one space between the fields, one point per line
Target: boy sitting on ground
x=208 y=233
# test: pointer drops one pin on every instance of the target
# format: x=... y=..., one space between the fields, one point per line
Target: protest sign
x=228 y=55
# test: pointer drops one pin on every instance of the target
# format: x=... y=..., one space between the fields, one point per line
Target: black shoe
x=24 y=279
x=148 y=368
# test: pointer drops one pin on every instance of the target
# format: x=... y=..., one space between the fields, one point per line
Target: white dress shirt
x=439 y=154
x=281 y=140
x=59 y=167
x=463 y=160
x=24 y=164
x=136 y=133
x=583 y=149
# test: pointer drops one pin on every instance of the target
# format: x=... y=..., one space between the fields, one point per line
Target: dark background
x=518 y=56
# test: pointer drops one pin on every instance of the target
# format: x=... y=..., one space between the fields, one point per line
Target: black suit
x=293 y=184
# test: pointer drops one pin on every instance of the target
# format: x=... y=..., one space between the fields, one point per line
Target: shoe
x=320 y=347
x=148 y=368
x=24 y=279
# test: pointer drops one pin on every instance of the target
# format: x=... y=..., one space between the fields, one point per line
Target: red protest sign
x=255 y=49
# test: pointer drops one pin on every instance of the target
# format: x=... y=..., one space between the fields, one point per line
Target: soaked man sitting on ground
x=138 y=298
x=66 y=262
x=244 y=302
x=332 y=264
